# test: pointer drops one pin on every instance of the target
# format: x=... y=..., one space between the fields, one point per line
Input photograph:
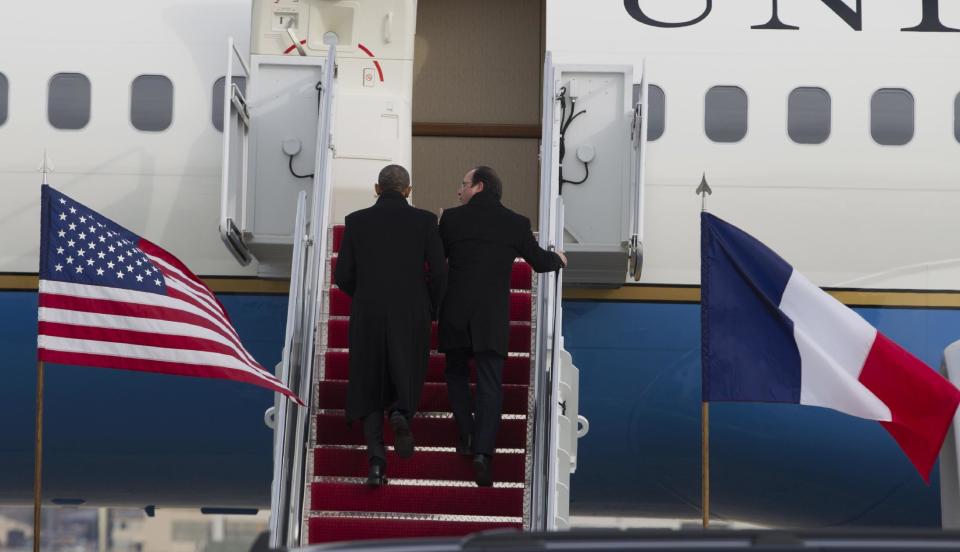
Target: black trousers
x=489 y=396
x=373 y=432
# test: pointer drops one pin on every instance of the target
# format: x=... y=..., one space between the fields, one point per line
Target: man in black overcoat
x=391 y=263
x=481 y=239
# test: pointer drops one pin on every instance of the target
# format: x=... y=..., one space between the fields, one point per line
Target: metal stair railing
x=283 y=495
x=546 y=381
x=546 y=390
x=293 y=442
x=950 y=453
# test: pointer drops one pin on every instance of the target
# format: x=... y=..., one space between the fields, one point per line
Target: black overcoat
x=391 y=263
x=481 y=240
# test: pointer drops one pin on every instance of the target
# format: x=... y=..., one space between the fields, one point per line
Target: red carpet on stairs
x=520 y=310
x=333 y=396
x=329 y=529
x=432 y=493
x=338 y=335
x=413 y=499
x=340 y=462
x=332 y=429
x=516 y=370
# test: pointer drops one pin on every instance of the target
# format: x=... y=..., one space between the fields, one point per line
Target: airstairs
x=270 y=99
x=318 y=493
x=432 y=493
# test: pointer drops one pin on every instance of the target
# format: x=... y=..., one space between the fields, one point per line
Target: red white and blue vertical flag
x=111 y=299
x=770 y=335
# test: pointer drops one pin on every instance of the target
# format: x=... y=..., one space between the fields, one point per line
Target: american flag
x=111 y=299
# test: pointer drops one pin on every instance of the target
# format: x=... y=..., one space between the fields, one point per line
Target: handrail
x=291 y=523
x=290 y=368
x=950 y=452
x=545 y=385
x=318 y=262
x=556 y=343
x=547 y=393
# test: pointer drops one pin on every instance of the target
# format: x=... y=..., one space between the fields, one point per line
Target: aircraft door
x=286 y=94
x=269 y=143
x=592 y=167
x=269 y=155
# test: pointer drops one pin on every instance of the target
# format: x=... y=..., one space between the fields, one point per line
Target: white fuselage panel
x=846 y=212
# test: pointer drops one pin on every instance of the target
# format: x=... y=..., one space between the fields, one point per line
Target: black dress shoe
x=377 y=474
x=402 y=436
x=483 y=475
x=465 y=446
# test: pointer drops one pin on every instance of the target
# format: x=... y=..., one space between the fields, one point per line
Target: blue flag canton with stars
x=81 y=246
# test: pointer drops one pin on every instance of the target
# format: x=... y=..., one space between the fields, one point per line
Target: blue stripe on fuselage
x=775 y=464
x=158 y=439
x=137 y=438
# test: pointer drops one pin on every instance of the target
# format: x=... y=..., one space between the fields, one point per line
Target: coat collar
x=484 y=198
x=391 y=199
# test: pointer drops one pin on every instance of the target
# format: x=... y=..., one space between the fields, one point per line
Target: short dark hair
x=393 y=178
x=491 y=182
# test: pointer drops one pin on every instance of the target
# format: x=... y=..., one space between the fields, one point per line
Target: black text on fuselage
x=852 y=16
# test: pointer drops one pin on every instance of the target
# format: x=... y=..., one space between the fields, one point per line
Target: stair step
x=521 y=277
x=424 y=464
x=331 y=529
x=520 y=305
x=338 y=237
x=433 y=398
x=338 y=336
x=332 y=429
x=411 y=499
x=516 y=370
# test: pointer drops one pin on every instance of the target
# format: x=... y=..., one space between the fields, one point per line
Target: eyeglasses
x=464 y=184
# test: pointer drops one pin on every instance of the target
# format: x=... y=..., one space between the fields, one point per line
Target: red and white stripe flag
x=111 y=299
x=770 y=335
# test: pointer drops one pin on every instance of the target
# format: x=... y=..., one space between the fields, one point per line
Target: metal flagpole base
x=38 y=460
x=705 y=463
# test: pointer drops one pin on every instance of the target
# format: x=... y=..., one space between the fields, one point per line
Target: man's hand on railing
x=563 y=258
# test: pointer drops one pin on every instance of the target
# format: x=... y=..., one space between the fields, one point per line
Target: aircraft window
x=68 y=101
x=808 y=115
x=151 y=103
x=891 y=116
x=218 y=99
x=725 y=114
x=655 y=122
x=3 y=98
x=956 y=118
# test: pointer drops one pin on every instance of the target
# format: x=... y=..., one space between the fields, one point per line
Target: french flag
x=770 y=335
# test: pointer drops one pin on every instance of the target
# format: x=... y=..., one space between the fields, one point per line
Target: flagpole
x=703 y=190
x=45 y=169
x=38 y=460
x=705 y=462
